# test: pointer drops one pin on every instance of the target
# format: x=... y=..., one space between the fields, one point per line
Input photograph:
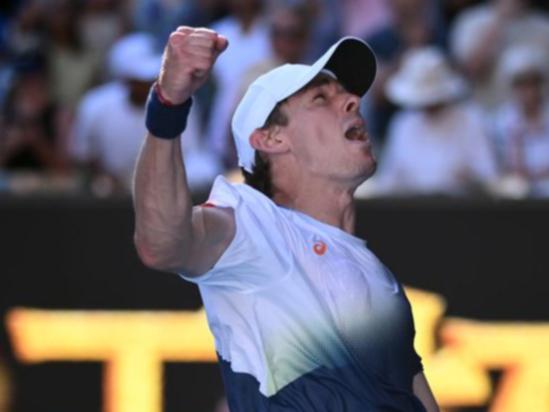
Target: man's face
x=289 y=36
x=326 y=133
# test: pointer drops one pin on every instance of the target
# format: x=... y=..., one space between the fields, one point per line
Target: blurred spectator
x=290 y=23
x=72 y=67
x=326 y=28
x=161 y=17
x=110 y=122
x=481 y=33
x=436 y=145
x=522 y=122
x=249 y=44
x=101 y=24
x=30 y=134
x=25 y=33
x=452 y=8
x=361 y=18
x=415 y=23
x=109 y=125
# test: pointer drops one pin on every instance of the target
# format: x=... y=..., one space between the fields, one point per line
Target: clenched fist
x=188 y=59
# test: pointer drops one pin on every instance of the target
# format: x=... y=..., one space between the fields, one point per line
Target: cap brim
x=353 y=63
x=351 y=60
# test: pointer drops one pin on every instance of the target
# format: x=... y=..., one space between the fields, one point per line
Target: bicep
x=213 y=231
x=423 y=392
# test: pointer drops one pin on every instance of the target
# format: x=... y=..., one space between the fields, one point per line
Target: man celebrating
x=305 y=317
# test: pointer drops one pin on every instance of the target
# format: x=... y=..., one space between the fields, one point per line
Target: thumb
x=221 y=44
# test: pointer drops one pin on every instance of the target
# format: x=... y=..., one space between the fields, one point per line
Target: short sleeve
x=257 y=256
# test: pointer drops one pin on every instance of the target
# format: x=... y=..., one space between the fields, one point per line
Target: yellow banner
x=135 y=344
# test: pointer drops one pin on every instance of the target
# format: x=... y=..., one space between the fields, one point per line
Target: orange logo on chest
x=320 y=248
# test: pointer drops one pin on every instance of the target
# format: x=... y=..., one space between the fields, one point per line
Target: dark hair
x=260 y=177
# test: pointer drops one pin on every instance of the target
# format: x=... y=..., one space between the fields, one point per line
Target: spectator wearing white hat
x=437 y=144
x=522 y=122
x=481 y=34
x=110 y=121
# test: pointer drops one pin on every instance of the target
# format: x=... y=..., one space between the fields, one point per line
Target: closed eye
x=319 y=97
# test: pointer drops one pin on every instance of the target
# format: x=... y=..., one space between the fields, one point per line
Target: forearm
x=163 y=205
x=423 y=392
x=168 y=235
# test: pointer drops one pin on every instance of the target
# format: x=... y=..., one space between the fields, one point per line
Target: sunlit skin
x=315 y=168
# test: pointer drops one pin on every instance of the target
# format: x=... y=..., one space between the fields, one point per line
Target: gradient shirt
x=305 y=317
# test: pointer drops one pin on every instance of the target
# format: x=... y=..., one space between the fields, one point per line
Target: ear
x=271 y=140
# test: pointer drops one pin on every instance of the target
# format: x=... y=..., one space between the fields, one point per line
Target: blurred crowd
x=460 y=105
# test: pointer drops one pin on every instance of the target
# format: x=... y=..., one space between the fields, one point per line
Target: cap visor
x=352 y=61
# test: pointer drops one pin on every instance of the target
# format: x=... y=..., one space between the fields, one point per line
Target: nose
x=351 y=103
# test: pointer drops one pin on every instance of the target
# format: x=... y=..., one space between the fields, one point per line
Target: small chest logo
x=320 y=247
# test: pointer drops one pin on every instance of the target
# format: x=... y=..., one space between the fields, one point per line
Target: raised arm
x=170 y=234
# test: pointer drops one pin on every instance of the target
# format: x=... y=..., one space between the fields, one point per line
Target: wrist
x=168 y=97
x=164 y=119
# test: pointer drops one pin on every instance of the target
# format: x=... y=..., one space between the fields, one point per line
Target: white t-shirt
x=530 y=28
x=294 y=303
x=110 y=130
x=436 y=155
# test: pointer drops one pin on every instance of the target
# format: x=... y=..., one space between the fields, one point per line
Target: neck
x=328 y=204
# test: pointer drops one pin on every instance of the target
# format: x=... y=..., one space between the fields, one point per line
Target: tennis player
x=305 y=317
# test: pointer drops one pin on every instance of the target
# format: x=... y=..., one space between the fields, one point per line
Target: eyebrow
x=320 y=80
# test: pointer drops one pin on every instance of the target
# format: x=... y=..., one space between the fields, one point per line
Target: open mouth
x=356 y=132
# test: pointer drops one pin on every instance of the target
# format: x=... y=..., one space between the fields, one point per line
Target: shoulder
x=253 y=242
x=239 y=196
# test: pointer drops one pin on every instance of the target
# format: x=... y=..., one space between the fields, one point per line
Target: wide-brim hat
x=424 y=79
x=350 y=60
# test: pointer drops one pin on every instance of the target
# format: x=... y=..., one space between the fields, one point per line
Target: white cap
x=351 y=61
x=134 y=57
x=425 y=78
x=521 y=59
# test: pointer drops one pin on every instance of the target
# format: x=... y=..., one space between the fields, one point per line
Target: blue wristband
x=166 y=122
